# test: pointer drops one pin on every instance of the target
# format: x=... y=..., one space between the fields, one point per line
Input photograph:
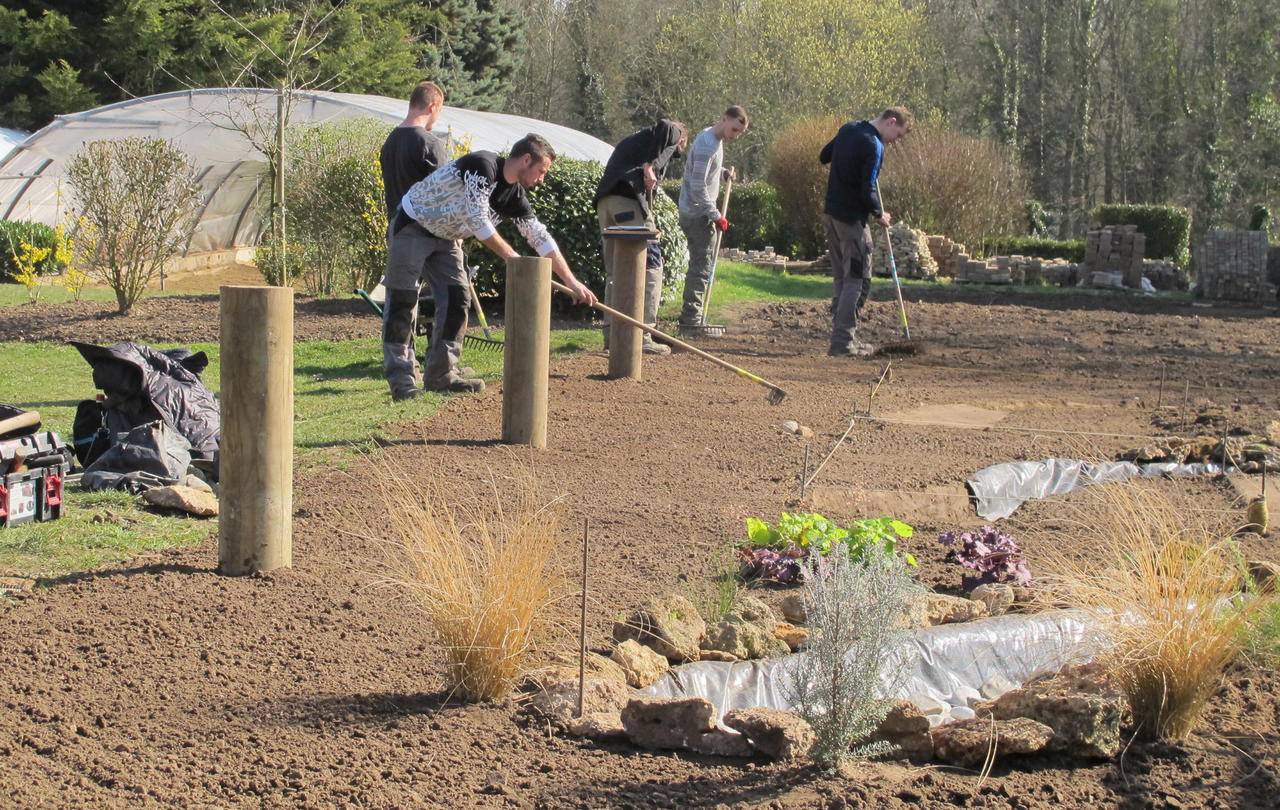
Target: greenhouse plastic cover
x=231 y=170
x=10 y=138
x=1000 y=489
x=948 y=663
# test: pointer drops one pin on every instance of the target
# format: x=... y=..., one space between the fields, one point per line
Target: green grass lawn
x=340 y=404
x=737 y=283
x=52 y=293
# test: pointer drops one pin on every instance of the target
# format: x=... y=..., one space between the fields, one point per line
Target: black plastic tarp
x=143 y=385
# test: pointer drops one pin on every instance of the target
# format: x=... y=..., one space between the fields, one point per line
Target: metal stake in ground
x=582 y=620
x=1160 y=392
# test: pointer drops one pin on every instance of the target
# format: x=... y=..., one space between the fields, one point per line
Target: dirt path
x=161 y=682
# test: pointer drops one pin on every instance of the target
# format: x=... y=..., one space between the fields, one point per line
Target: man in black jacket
x=854 y=155
x=410 y=153
x=626 y=197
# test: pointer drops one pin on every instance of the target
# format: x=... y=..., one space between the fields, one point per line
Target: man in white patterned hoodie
x=459 y=200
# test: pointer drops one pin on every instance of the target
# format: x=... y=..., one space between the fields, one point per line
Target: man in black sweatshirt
x=410 y=153
x=854 y=155
x=625 y=197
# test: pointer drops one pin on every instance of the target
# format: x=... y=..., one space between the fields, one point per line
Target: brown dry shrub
x=972 y=190
x=1162 y=583
x=944 y=182
x=801 y=180
x=486 y=569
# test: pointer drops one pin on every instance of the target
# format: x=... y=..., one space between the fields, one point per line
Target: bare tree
x=138 y=198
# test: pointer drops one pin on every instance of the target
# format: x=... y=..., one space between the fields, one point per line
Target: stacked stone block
x=910 y=251
x=1116 y=249
x=1233 y=264
x=949 y=256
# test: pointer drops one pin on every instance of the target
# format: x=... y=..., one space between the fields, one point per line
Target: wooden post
x=526 y=352
x=628 y=251
x=255 y=468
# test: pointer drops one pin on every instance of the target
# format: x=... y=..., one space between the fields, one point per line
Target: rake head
x=481 y=344
x=775 y=395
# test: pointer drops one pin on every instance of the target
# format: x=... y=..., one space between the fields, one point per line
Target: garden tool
x=705 y=329
x=906 y=345
x=488 y=343
x=776 y=393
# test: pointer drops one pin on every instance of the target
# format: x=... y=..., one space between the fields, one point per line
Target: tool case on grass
x=32 y=469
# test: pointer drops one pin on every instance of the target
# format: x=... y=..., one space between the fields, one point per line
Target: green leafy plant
x=13 y=233
x=1071 y=250
x=776 y=552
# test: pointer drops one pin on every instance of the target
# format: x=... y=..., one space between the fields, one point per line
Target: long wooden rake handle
x=776 y=392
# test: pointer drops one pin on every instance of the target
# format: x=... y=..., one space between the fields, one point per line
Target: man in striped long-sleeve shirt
x=700 y=215
x=459 y=200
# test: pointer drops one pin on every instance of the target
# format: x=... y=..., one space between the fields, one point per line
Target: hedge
x=755 y=216
x=13 y=233
x=1070 y=249
x=1166 y=227
x=564 y=204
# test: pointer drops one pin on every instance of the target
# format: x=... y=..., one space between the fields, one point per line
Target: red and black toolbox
x=32 y=470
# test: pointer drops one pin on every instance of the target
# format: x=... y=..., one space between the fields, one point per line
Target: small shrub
x=801 y=181
x=971 y=189
x=839 y=686
x=140 y=199
x=757 y=216
x=1166 y=227
x=334 y=200
x=564 y=204
x=484 y=570
x=1163 y=588
x=14 y=233
x=1260 y=218
x=1071 y=250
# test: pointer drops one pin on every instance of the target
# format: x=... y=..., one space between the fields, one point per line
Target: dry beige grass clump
x=485 y=567
x=1163 y=584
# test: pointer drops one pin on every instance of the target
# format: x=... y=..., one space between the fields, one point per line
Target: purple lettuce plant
x=991 y=554
x=780 y=566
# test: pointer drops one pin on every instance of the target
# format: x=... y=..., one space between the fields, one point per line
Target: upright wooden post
x=255 y=468
x=628 y=252
x=526 y=351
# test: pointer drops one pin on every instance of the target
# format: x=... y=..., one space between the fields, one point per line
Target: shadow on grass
x=151 y=569
x=351 y=371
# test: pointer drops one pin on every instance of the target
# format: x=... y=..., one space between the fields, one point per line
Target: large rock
x=720 y=743
x=601 y=727
x=668 y=722
x=775 y=733
x=184 y=499
x=793 y=609
x=794 y=637
x=747 y=631
x=1079 y=704
x=641 y=665
x=557 y=700
x=995 y=596
x=669 y=625
x=906 y=728
x=930 y=609
x=968 y=743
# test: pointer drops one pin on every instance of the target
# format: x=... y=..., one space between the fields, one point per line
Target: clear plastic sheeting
x=1000 y=489
x=207 y=123
x=948 y=666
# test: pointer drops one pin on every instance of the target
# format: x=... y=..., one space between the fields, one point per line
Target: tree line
x=1172 y=101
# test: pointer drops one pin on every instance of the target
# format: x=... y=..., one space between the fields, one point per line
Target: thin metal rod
x=1160 y=392
x=1224 y=451
x=582 y=619
x=1186 y=393
x=804 y=472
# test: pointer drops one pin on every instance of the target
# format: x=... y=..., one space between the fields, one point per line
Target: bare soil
x=161 y=682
